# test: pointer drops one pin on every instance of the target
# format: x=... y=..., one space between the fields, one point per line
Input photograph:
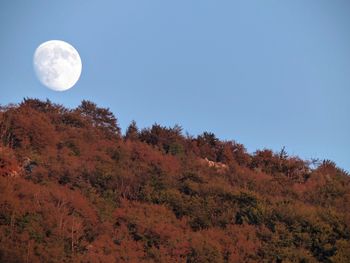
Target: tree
x=99 y=117
x=132 y=132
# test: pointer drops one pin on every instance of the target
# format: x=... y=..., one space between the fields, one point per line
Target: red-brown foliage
x=73 y=189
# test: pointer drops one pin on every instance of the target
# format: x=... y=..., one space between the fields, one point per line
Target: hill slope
x=73 y=188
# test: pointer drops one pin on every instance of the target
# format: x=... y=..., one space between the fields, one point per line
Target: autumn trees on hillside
x=73 y=188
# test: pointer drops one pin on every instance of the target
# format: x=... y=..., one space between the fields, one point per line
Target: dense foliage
x=73 y=188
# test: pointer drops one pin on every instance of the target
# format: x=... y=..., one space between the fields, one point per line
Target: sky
x=267 y=74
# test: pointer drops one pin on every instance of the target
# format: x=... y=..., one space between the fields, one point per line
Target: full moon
x=57 y=65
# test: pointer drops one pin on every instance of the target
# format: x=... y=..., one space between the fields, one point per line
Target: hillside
x=74 y=189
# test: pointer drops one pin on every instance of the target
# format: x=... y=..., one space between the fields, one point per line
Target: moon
x=57 y=65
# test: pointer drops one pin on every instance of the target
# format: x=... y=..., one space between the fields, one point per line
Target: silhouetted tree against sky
x=132 y=132
x=100 y=117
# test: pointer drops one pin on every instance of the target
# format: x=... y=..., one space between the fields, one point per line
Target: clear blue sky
x=264 y=73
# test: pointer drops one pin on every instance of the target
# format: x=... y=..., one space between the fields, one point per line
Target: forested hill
x=74 y=189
